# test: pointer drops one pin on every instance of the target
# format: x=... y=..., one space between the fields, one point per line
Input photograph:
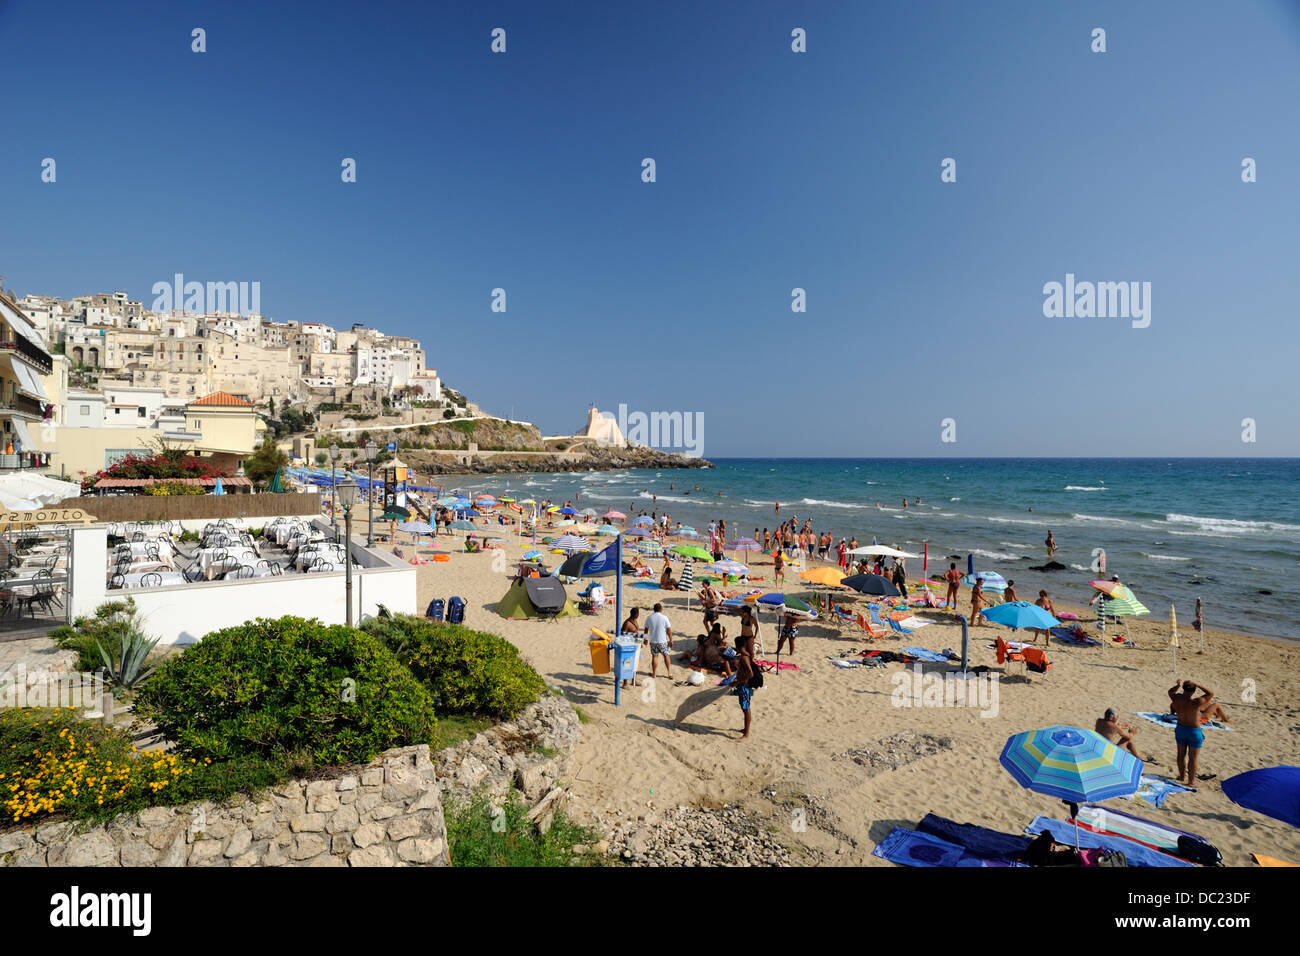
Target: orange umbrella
x=831 y=577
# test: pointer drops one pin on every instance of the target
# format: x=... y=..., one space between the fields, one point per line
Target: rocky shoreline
x=603 y=459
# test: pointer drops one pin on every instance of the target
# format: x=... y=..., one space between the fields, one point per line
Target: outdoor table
x=242 y=555
x=333 y=553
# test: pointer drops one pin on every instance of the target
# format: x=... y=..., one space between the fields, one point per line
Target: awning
x=29 y=381
x=21 y=433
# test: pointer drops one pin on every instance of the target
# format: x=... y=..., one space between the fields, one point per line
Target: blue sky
x=775 y=170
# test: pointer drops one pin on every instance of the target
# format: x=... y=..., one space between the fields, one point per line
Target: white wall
x=184 y=613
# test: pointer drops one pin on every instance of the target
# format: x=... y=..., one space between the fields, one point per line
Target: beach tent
x=517 y=606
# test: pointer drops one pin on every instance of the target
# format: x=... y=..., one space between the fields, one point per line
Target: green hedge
x=288 y=686
x=466 y=671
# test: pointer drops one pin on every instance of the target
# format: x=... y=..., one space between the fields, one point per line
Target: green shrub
x=288 y=686
x=466 y=671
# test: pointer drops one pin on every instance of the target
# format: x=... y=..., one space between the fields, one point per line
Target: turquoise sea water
x=1226 y=530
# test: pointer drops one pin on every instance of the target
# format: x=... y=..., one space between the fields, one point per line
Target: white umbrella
x=884 y=551
x=24 y=491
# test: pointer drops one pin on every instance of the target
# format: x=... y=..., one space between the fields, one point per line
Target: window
x=117 y=411
x=85 y=409
x=140 y=412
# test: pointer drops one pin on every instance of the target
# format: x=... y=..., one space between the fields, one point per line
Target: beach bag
x=435 y=609
x=1198 y=851
x=455 y=611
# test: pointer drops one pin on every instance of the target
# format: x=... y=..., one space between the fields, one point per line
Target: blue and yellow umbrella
x=1071 y=764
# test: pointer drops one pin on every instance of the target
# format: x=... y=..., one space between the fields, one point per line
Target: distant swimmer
x=1051 y=545
x=778 y=507
x=904 y=504
x=917 y=501
x=878 y=506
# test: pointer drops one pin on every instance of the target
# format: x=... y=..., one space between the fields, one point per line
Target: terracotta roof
x=222 y=398
x=235 y=481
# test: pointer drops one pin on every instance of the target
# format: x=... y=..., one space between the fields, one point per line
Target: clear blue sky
x=775 y=170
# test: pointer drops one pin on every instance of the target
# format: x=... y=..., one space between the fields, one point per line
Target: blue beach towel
x=1170 y=721
x=914 y=848
x=1067 y=636
x=921 y=653
x=1134 y=853
x=980 y=841
x=1155 y=790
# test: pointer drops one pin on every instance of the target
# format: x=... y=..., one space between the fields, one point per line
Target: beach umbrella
x=1123 y=603
x=583 y=528
x=1272 y=791
x=1018 y=614
x=745 y=544
x=485 y=501
x=871 y=584
x=688 y=533
x=1071 y=764
x=614 y=514
x=607 y=529
x=507 y=499
x=571 y=512
x=1106 y=587
x=727 y=567
x=277 y=483
x=566 y=523
x=528 y=501
x=789 y=601
x=415 y=527
x=830 y=577
x=687 y=581
x=991 y=580
x=643 y=520
x=462 y=526
x=691 y=551
x=636 y=533
x=650 y=548
x=217 y=489
x=589 y=512
x=570 y=542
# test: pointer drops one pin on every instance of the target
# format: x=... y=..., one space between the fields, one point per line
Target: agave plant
x=125 y=666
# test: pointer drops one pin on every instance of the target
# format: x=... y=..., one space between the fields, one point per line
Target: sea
x=1224 y=530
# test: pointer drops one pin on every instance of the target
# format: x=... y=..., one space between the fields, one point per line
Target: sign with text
x=45 y=516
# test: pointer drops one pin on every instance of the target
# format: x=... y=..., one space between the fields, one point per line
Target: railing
x=18 y=402
x=34 y=354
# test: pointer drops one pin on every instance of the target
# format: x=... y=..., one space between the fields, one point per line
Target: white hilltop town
x=90 y=380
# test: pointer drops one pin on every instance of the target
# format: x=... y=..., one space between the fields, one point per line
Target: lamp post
x=372 y=452
x=347 y=492
x=334 y=497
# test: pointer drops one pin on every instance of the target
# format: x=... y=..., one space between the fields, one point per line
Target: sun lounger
x=1006 y=655
x=895 y=626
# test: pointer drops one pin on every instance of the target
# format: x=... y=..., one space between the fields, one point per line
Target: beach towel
x=1263 y=860
x=1158 y=836
x=1137 y=854
x=1074 y=636
x=772 y=665
x=1155 y=790
x=645 y=585
x=912 y=622
x=977 y=840
x=1170 y=721
x=913 y=848
x=921 y=653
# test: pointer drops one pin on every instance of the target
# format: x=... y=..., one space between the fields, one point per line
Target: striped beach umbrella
x=649 y=547
x=1071 y=764
x=727 y=567
x=570 y=542
x=1123 y=603
x=607 y=529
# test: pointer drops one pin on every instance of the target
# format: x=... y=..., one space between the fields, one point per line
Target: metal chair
x=116 y=581
x=151 y=579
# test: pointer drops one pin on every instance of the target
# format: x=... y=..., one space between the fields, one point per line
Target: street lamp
x=334 y=497
x=347 y=491
x=372 y=452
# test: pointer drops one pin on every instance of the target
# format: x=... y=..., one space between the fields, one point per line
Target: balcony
x=13 y=400
x=33 y=354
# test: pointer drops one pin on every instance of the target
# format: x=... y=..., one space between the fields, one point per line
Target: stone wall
x=386 y=813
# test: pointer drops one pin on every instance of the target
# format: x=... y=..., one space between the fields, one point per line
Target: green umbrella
x=277 y=483
x=691 y=551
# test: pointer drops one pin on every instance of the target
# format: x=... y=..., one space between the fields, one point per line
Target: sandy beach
x=835 y=762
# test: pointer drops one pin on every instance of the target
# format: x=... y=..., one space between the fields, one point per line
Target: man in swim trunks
x=1051 y=545
x=1119 y=734
x=953 y=577
x=789 y=631
x=1188 y=733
